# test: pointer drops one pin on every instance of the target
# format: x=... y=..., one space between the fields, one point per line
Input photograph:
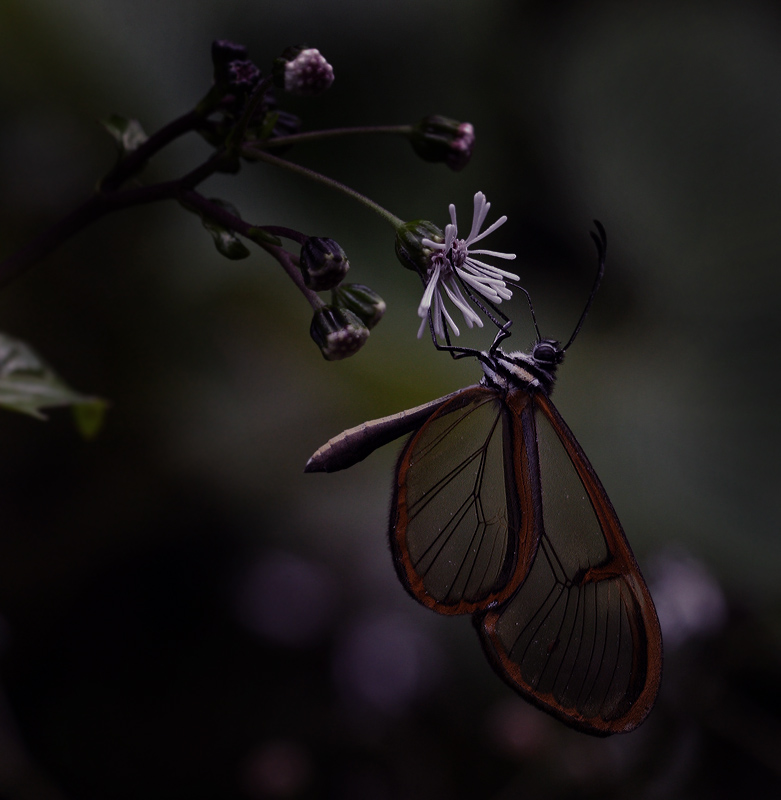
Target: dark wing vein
x=573 y=638
x=451 y=528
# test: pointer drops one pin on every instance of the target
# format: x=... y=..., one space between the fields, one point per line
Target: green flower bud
x=364 y=302
x=438 y=138
x=303 y=71
x=410 y=249
x=323 y=263
x=337 y=332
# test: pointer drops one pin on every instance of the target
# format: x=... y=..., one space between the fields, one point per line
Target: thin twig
x=222 y=216
x=333 y=133
x=134 y=162
x=255 y=154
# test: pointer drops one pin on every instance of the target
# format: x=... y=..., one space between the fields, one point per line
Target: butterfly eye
x=546 y=352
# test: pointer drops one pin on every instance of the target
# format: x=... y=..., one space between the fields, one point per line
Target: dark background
x=183 y=612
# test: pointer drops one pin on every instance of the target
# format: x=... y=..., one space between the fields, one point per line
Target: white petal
x=450 y=322
x=458 y=299
x=425 y=303
x=480 y=213
x=490 y=229
x=440 y=313
x=454 y=293
x=489 y=292
x=486 y=291
x=479 y=275
x=506 y=256
x=489 y=269
x=450 y=236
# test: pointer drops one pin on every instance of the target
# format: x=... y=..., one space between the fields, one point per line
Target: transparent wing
x=459 y=531
x=580 y=638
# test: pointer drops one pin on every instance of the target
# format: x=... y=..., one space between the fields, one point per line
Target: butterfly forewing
x=580 y=637
x=460 y=537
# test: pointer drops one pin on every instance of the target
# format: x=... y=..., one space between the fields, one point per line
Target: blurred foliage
x=28 y=386
x=185 y=614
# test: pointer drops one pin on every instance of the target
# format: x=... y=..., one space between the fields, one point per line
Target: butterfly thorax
x=535 y=370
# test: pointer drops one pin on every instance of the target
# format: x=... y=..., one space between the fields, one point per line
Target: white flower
x=454 y=263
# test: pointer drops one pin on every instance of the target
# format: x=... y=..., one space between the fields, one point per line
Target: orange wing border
x=518 y=482
x=647 y=655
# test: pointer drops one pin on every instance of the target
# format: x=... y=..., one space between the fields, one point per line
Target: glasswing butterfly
x=497 y=512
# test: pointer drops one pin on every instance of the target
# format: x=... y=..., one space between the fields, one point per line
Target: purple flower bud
x=364 y=302
x=242 y=75
x=437 y=138
x=323 y=263
x=223 y=53
x=337 y=332
x=303 y=71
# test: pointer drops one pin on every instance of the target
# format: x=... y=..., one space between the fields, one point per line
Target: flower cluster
x=453 y=265
x=303 y=71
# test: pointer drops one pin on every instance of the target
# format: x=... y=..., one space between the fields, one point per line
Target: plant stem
x=289 y=263
x=221 y=215
x=286 y=233
x=237 y=134
x=97 y=206
x=330 y=182
x=87 y=212
x=134 y=162
x=333 y=133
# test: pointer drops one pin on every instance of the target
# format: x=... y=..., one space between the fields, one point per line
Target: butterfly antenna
x=600 y=240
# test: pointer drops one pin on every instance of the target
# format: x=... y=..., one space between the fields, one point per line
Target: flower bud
x=364 y=302
x=323 y=263
x=303 y=71
x=223 y=53
x=337 y=332
x=242 y=75
x=410 y=249
x=438 y=138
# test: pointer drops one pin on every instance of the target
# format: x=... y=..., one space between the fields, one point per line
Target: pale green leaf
x=128 y=133
x=225 y=240
x=28 y=385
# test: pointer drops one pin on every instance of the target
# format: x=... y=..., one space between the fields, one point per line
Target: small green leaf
x=28 y=385
x=226 y=241
x=128 y=133
x=267 y=127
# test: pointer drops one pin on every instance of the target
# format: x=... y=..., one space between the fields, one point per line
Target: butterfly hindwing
x=580 y=637
x=460 y=532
